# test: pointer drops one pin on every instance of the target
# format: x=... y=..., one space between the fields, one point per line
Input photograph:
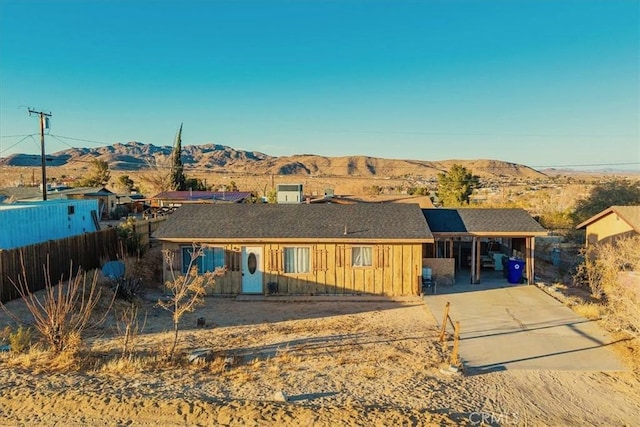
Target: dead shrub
x=124 y=366
x=588 y=310
x=130 y=325
x=603 y=270
x=186 y=291
x=63 y=311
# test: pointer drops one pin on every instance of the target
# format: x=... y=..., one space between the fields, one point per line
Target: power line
x=82 y=140
x=11 y=146
x=16 y=136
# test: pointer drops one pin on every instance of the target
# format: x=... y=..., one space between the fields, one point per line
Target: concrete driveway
x=521 y=327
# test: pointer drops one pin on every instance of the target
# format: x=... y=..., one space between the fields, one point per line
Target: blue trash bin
x=515 y=270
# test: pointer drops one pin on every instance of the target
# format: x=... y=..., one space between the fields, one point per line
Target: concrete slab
x=521 y=327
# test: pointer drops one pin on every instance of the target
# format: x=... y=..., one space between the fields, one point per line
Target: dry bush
x=34 y=359
x=20 y=340
x=147 y=268
x=124 y=366
x=130 y=326
x=602 y=270
x=588 y=310
x=218 y=365
x=64 y=311
x=186 y=292
x=285 y=357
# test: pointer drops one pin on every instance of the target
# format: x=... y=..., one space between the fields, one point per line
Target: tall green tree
x=126 y=183
x=178 y=179
x=605 y=195
x=98 y=175
x=456 y=186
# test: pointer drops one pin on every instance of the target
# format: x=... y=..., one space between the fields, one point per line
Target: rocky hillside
x=220 y=158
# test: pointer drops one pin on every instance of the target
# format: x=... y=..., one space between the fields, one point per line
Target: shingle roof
x=296 y=221
x=482 y=221
x=630 y=214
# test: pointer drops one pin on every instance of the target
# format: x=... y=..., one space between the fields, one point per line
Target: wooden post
x=478 y=262
x=456 y=339
x=473 y=260
x=444 y=321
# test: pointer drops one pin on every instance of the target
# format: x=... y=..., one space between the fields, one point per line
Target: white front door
x=251 y=270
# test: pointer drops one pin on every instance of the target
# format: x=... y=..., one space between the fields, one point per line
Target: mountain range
x=219 y=158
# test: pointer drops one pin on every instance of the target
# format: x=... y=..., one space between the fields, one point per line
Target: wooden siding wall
x=85 y=250
x=396 y=270
x=228 y=284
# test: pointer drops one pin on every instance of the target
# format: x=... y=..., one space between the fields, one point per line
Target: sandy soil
x=339 y=361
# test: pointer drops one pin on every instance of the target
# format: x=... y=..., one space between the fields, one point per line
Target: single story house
x=479 y=238
x=304 y=248
x=612 y=223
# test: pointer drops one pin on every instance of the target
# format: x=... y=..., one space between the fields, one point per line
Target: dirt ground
x=339 y=361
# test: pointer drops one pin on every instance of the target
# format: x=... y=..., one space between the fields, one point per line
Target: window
x=361 y=256
x=297 y=260
x=210 y=259
x=71 y=209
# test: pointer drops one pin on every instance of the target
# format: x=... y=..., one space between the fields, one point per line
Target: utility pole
x=44 y=119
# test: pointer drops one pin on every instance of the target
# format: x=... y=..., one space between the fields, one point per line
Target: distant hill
x=220 y=158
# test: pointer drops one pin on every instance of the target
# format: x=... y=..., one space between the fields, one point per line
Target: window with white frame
x=209 y=259
x=361 y=256
x=297 y=260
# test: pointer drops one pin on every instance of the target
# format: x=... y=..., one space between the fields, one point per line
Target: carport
x=478 y=239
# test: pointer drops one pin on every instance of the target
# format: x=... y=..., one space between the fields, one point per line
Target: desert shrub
x=602 y=270
x=20 y=340
x=130 y=239
x=129 y=325
x=185 y=292
x=589 y=310
x=147 y=268
x=62 y=312
x=126 y=288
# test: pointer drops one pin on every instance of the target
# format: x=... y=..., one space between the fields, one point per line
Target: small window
x=208 y=261
x=71 y=209
x=297 y=260
x=252 y=263
x=361 y=256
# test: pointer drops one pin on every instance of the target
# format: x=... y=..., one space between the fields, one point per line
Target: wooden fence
x=144 y=229
x=87 y=250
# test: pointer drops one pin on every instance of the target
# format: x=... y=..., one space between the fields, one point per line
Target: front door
x=251 y=270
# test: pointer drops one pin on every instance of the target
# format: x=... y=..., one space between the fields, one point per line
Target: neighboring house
x=302 y=248
x=478 y=238
x=26 y=223
x=612 y=223
x=107 y=200
x=131 y=203
x=172 y=199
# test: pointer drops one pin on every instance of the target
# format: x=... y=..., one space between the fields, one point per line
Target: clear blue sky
x=541 y=82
